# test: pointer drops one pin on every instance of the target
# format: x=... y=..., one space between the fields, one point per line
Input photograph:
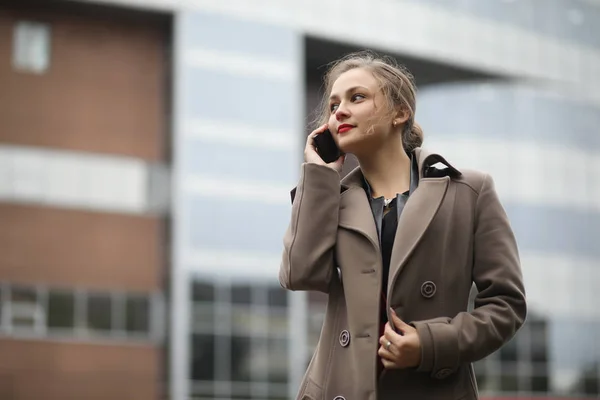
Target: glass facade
x=565 y=20
x=234 y=165
x=540 y=147
x=239 y=134
x=239 y=341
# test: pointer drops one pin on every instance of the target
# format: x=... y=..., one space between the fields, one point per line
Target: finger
x=399 y=324
x=393 y=349
x=318 y=131
x=391 y=335
x=383 y=340
x=310 y=144
x=388 y=354
x=389 y=364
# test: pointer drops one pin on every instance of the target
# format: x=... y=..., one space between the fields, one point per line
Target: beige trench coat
x=453 y=232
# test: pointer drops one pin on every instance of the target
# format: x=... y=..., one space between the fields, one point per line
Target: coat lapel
x=355 y=210
x=419 y=211
x=356 y=215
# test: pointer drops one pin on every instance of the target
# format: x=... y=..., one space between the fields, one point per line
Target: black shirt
x=387 y=224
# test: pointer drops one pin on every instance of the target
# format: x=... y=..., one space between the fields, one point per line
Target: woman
x=397 y=245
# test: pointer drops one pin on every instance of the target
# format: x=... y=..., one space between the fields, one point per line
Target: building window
x=99 y=313
x=24 y=309
x=31 y=47
x=61 y=310
x=246 y=325
x=77 y=313
x=524 y=366
x=203 y=357
x=137 y=316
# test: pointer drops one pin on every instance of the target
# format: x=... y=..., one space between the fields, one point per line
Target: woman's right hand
x=311 y=155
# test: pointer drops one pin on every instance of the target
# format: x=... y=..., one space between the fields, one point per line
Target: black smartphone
x=326 y=147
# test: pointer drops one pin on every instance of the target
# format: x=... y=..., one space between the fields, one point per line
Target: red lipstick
x=344 y=128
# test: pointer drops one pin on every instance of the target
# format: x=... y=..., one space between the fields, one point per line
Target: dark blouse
x=387 y=223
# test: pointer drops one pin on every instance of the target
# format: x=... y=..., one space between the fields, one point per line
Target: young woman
x=397 y=245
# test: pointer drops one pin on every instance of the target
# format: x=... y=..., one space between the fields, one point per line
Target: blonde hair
x=397 y=85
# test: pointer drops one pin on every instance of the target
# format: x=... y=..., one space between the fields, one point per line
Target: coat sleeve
x=500 y=306
x=307 y=262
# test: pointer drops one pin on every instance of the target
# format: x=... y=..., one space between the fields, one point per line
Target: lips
x=344 y=128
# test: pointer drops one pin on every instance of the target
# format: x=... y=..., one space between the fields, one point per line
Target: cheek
x=369 y=116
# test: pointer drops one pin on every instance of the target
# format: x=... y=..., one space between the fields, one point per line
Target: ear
x=402 y=115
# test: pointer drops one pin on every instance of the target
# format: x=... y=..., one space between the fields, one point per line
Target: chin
x=351 y=144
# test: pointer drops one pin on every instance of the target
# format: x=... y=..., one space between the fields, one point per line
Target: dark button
x=428 y=289
x=339 y=398
x=344 y=338
x=443 y=373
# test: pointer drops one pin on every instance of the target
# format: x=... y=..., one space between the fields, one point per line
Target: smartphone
x=326 y=147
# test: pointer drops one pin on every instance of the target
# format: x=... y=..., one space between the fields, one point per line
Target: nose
x=341 y=113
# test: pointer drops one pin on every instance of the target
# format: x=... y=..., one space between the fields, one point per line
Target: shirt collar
x=414 y=178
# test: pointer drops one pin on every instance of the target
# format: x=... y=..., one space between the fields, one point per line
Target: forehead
x=354 y=77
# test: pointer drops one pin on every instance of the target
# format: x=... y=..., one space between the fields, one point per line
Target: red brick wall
x=105 y=91
x=32 y=370
x=79 y=248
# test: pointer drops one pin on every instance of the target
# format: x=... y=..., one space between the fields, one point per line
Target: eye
x=333 y=107
x=358 y=96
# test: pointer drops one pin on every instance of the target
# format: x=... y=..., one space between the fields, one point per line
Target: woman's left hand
x=400 y=351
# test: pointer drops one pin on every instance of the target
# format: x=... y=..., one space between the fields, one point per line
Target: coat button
x=443 y=373
x=428 y=289
x=339 y=398
x=344 y=338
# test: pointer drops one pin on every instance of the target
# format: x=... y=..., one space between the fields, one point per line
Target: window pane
x=247 y=321
x=138 y=314
x=278 y=360
x=509 y=353
x=241 y=294
x=588 y=381
x=278 y=323
x=24 y=306
x=99 y=312
x=203 y=317
x=20 y=294
x=540 y=384
x=203 y=357
x=203 y=291
x=539 y=341
x=259 y=359
x=278 y=297
x=509 y=379
x=61 y=309
x=241 y=358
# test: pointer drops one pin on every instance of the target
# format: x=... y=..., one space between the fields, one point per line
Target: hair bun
x=413 y=138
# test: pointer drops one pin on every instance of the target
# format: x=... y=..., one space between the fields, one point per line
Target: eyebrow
x=352 y=89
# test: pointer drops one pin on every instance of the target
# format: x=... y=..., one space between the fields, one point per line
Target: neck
x=387 y=171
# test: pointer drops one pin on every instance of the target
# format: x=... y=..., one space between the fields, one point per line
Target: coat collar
x=426 y=161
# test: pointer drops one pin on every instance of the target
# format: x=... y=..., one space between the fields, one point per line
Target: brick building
x=83 y=255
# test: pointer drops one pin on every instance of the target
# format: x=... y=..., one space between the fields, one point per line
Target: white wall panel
x=412 y=28
x=74 y=179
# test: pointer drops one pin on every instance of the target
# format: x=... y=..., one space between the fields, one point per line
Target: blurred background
x=147 y=151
